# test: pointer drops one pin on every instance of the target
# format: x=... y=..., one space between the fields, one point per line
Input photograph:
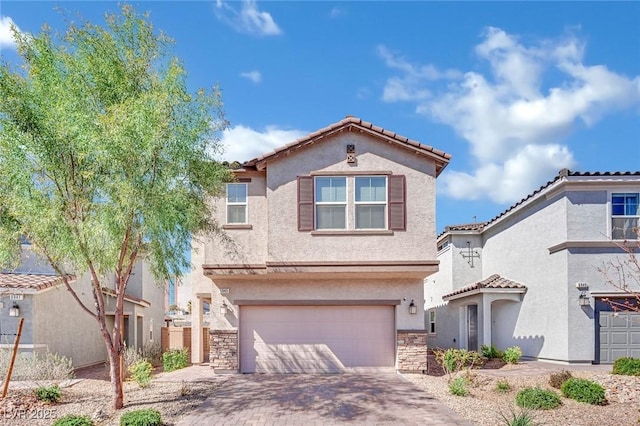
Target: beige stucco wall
x=272 y=209
x=317 y=290
x=61 y=324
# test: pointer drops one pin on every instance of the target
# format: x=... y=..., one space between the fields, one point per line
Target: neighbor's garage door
x=315 y=339
x=619 y=336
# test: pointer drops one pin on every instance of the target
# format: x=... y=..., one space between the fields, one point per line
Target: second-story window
x=236 y=203
x=371 y=202
x=331 y=202
x=625 y=216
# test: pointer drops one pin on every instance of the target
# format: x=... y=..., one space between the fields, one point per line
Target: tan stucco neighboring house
x=54 y=322
x=326 y=244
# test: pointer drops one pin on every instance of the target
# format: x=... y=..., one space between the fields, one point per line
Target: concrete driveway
x=314 y=399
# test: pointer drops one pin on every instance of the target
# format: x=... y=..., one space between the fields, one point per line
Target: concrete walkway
x=312 y=399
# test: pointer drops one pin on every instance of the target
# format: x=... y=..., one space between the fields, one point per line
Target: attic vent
x=351 y=154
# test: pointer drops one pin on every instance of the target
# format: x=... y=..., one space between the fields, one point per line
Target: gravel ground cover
x=484 y=406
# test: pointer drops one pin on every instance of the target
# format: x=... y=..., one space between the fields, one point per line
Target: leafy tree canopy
x=104 y=153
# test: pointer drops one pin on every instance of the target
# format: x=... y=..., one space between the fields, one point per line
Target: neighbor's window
x=331 y=202
x=625 y=216
x=236 y=203
x=432 y=321
x=371 y=202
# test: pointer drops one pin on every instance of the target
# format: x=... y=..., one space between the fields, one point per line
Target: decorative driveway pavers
x=314 y=399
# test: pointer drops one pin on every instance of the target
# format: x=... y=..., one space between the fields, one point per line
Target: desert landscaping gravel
x=483 y=406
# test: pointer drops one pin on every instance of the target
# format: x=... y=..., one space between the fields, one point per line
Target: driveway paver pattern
x=316 y=399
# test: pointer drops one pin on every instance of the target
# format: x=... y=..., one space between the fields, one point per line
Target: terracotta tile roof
x=562 y=174
x=495 y=281
x=350 y=123
x=30 y=281
x=478 y=226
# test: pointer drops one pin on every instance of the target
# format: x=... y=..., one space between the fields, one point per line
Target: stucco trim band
x=248 y=226
x=586 y=244
x=315 y=302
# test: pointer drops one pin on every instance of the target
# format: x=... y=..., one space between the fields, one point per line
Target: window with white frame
x=625 y=216
x=236 y=203
x=331 y=202
x=432 y=321
x=370 y=200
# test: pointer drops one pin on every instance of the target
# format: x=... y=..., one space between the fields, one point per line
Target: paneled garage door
x=315 y=339
x=619 y=336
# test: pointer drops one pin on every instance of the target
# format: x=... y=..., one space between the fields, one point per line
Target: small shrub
x=583 y=390
x=152 y=351
x=537 y=399
x=627 y=366
x=512 y=355
x=141 y=372
x=49 y=394
x=144 y=417
x=131 y=357
x=175 y=359
x=557 y=379
x=36 y=366
x=73 y=420
x=522 y=418
x=490 y=352
x=458 y=387
x=454 y=360
x=503 y=386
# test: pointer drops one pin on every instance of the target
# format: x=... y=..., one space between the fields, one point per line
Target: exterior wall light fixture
x=583 y=298
x=223 y=309
x=413 y=309
x=14 y=311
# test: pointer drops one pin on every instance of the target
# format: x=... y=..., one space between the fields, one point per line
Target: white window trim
x=372 y=203
x=245 y=204
x=344 y=203
x=610 y=215
x=434 y=322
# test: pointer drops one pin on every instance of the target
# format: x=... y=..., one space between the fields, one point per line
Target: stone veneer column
x=223 y=356
x=412 y=351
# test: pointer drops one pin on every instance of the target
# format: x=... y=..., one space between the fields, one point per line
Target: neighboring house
x=327 y=243
x=54 y=321
x=529 y=276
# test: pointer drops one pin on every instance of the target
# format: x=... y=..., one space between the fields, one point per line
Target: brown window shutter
x=305 y=203
x=397 y=203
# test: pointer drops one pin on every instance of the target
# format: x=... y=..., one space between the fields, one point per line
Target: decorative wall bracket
x=469 y=254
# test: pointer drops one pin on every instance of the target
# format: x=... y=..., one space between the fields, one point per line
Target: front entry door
x=472 y=327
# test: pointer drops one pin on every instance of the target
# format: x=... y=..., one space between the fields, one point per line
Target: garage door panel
x=619 y=336
x=303 y=339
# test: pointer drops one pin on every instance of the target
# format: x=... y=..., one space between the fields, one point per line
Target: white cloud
x=244 y=143
x=249 y=19
x=410 y=86
x=514 y=125
x=6 y=36
x=255 y=76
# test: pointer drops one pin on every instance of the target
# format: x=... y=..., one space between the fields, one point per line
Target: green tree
x=106 y=159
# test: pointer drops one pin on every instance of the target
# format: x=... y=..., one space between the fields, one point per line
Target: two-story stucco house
x=328 y=242
x=54 y=321
x=529 y=277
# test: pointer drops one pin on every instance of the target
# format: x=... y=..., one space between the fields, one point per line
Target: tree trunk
x=115 y=372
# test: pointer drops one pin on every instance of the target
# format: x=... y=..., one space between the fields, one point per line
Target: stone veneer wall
x=412 y=351
x=223 y=356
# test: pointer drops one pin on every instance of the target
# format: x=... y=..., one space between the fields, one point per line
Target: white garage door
x=315 y=339
x=619 y=336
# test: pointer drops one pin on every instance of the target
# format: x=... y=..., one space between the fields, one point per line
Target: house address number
x=16 y=296
x=224 y=291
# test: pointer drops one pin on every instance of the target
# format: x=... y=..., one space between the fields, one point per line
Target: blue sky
x=515 y=91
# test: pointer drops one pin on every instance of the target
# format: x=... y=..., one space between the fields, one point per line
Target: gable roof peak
x=348 y=123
